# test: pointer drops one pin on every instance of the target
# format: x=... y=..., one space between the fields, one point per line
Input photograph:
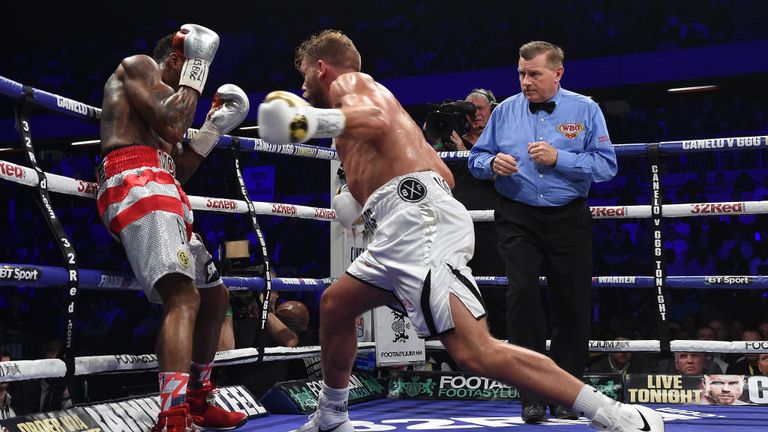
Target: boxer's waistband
x=132 y=157
x=412 y=188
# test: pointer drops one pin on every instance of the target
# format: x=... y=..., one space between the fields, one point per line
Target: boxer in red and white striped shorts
x=144 y=207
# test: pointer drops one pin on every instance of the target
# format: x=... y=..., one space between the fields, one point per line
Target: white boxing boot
x=627 y=418
x=331 y=413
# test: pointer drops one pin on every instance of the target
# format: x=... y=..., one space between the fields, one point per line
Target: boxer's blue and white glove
x=347 y=209
x=197 y=45
x=228 y=109
x=286 y=118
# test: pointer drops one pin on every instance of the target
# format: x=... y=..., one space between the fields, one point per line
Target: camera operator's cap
x=294 y=314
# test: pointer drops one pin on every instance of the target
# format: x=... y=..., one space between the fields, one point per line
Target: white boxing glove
x=198 y=46
x=229 y=108
x=286 y=118
x=347 y=209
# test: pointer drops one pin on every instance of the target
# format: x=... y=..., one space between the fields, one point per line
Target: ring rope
x=654 y=346
x=19 y=370
x=43 y=276
x=723 y=208
x=665 y=147
x=60 y=184
x=69 y=186
x=37 y=276
x=90 y=113
x=81 y=110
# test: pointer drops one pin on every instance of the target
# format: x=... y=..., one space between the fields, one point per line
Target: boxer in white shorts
x=422 y=241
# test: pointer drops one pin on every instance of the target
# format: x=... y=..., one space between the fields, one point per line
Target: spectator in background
x=705 y=333
x=15 y=322
x=735 y=330
x=296 y=317
x=6 y=401
x=744 y=186
x=762 y=327
x=227 y=336
x=677 y=237
x=699 y=262
x=622 y=362
x=617 y=249
x=690 y=321
x=545 y=146
x=51 y=394
x=722 y=390
x=675 y=263
x=736 y=251
x=721 y=331
x=247 y=322
x=246 y=310
x=762 y=363
x=687 y=363
x=746 y=364
x=758 y=265
x=710 y=334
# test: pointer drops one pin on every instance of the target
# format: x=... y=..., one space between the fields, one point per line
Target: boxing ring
x=386 y=414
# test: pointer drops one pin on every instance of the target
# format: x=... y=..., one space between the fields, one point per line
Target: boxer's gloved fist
x=228 y=109
x=286 y=118
x=347 y=209
x=198 y=45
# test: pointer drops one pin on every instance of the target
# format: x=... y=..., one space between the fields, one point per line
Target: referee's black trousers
x=555 y=242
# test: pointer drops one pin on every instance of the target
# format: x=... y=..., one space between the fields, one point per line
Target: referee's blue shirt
x=576 y=128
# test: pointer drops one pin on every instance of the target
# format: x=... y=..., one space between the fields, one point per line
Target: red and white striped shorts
x=144 y=207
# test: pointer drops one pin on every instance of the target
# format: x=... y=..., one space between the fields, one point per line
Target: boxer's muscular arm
x=167 y=112
x=361 y=101
x=360 y=112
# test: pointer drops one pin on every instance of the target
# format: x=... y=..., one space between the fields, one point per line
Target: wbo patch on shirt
x=571 y=130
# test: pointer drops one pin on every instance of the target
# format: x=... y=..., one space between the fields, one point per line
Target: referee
x=545 y=146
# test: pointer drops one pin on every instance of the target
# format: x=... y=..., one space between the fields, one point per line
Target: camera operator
x=246 y=308
x=466 y=120
x=246 y=323
x=445 y=124
x=484 y=102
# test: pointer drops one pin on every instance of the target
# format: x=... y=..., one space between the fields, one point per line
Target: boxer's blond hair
x=332 y=46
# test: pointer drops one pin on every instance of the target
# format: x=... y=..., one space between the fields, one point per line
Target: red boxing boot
x=175 y=419
x=210 y=416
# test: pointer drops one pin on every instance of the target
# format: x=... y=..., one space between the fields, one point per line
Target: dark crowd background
x=400 y=39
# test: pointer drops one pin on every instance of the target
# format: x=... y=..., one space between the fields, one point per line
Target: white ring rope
x=667 y=210
x=650 y=345
x=69 y=186
x=20 y=370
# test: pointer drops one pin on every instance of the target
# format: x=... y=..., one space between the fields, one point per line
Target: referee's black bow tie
x=546 y=106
